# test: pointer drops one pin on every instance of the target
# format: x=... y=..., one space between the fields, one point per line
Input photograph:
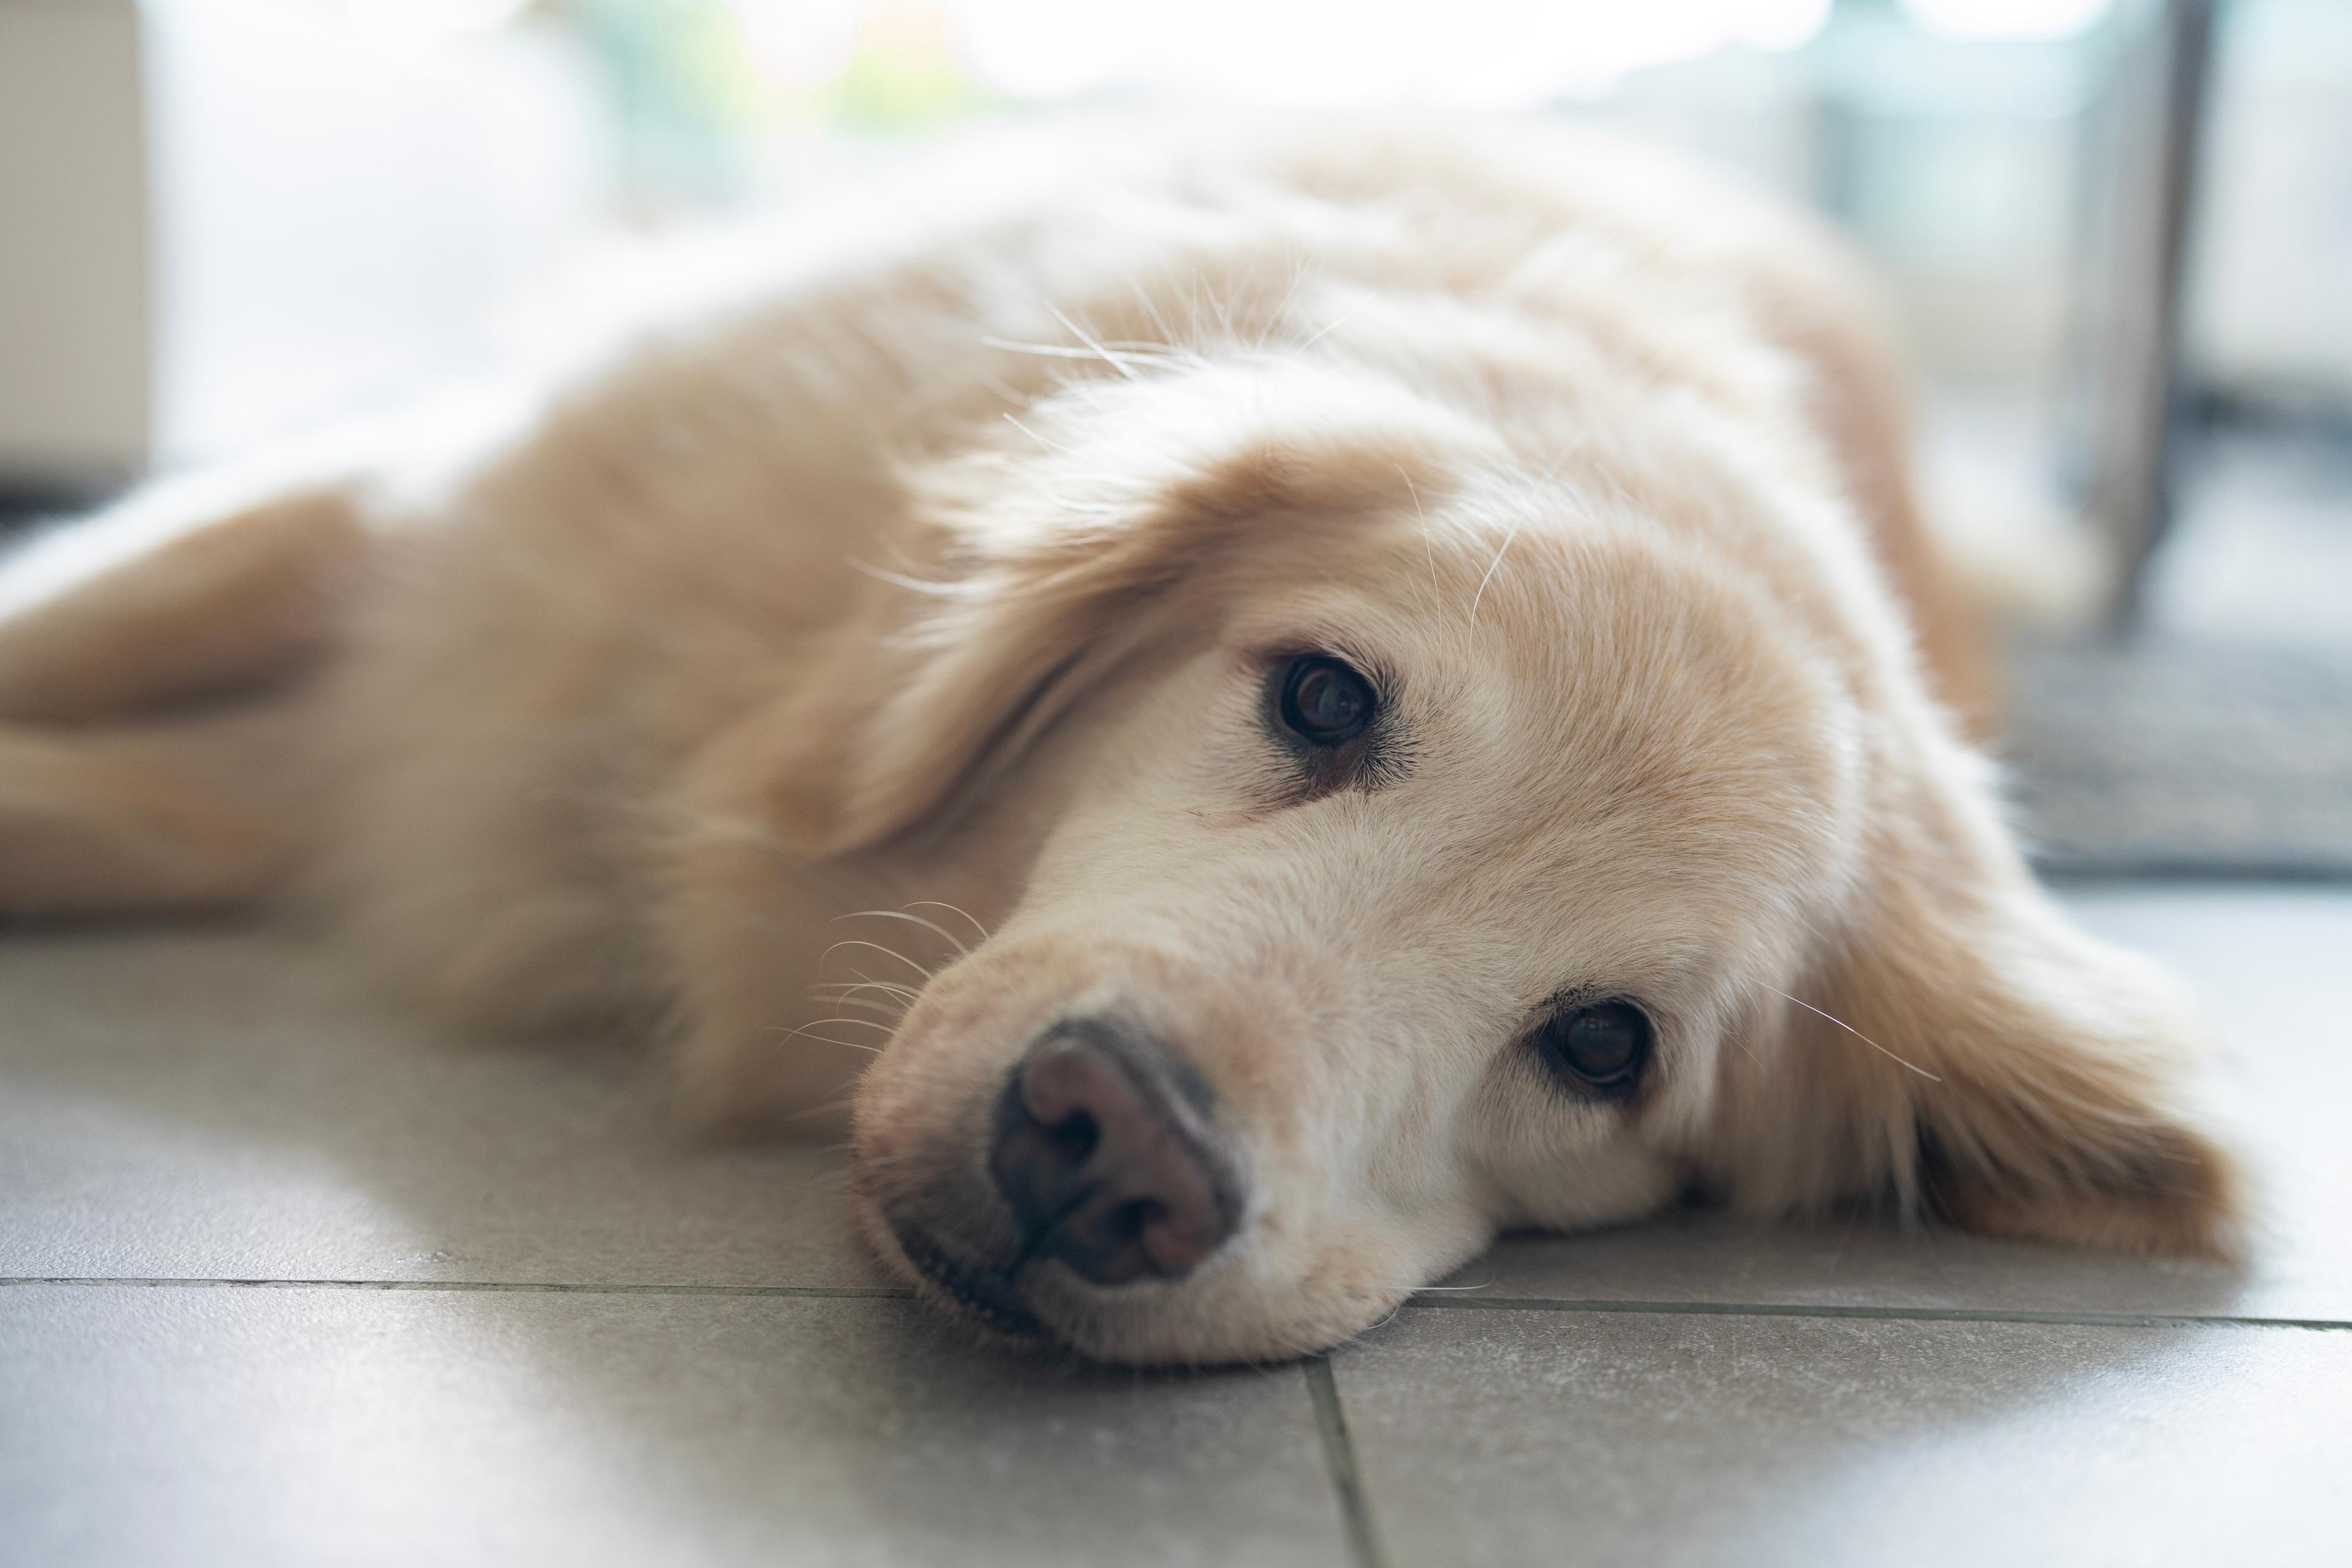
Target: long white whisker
x=893 y=986
x=1024 y=429
x=878 y=947
x=1049 y=351
x=1117 y=362
x=894 y=1008
x=828 y=1039
x=941 y=931
x=1428 y=544
x=1857 y=1033
x=885 y=1009
x=1492 y=567
x=943 y=904
x=850 y=987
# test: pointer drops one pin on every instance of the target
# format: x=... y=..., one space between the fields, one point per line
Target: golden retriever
x=1319 y=694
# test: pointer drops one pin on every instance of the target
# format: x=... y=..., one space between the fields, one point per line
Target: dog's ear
x=1065 y=564
x=1969 y=1054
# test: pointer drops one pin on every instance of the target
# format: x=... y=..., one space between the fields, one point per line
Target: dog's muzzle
x=1103 y=1148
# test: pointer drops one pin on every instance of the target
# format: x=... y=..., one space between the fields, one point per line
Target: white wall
x=340 y=214
x=74 y=333
x=224 y=218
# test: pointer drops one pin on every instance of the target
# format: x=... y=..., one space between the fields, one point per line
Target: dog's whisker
x=1117 y=362
x=1493 y=566
x=892 y=953
x=847 y=987
x=1024 y=429
x=805 y=1034
x=1857 y=1033
x=906 y=993
x=943 y=904
x=894 y=1008
x=941 y=931
x=1428 y=542
x=884 y=1008
x=1091 y=354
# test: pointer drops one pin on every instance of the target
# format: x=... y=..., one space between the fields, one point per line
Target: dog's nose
x=1105 y=1151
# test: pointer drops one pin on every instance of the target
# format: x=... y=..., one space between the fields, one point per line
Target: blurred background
x=2117 y=235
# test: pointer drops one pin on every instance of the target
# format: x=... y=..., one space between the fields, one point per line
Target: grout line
x=1428 y=1301
x=520 y=1287
x=1347 y=1475
x=1896 y=1314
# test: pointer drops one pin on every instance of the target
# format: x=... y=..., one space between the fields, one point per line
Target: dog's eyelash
x=1381 y=756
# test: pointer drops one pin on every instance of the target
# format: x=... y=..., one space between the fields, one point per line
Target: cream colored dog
x=1362 y=690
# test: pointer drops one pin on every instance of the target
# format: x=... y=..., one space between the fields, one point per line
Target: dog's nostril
x=1108 y=1159
x=1074 y=1137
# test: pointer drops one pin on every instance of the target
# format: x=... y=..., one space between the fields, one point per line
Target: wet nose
x=1105 y=1151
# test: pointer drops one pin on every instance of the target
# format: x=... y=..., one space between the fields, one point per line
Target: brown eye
x=1324 y=702
x=1601 y=1048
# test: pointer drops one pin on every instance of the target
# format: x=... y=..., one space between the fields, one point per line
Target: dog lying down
x=1256 y=713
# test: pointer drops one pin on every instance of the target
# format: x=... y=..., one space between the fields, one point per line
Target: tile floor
x=285 y=1284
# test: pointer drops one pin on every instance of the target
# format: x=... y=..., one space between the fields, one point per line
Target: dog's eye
x=1324 y=702
x=1601 y=1048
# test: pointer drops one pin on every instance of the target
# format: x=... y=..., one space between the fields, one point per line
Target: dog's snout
x=1104 y=1149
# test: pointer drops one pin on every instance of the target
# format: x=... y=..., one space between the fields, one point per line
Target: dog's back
x=487 y=681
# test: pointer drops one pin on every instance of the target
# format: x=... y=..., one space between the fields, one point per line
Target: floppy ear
x=1992 y=1064
x=1065 y=566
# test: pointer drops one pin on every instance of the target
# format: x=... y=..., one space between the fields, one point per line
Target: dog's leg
x=151 y=713
x=186 y=591
x=209 y=812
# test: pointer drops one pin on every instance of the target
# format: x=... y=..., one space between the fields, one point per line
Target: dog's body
x=972 y=577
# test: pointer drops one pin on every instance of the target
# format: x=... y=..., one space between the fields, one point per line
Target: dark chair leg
x=2133 y=298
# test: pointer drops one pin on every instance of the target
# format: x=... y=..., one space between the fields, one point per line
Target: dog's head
x=1450 y=845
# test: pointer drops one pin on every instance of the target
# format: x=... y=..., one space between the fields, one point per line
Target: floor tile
x=217 y=1103
x=2267 y=966
x=1564 y=1437
x=260 y=1426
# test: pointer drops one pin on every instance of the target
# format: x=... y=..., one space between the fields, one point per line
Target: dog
x=1255 y=707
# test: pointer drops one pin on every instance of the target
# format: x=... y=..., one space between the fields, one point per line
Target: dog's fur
x=938 y=573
